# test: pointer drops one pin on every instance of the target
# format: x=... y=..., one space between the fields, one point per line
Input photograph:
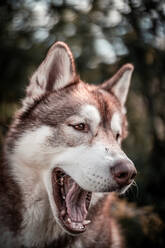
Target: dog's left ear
x=55 y=72
x=119 y=83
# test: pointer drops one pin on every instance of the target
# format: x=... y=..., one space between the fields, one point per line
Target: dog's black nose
x=123 y=172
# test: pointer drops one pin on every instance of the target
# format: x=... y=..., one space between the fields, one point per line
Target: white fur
x=90 y=166
x=116 y=123
x=96 y=197
x=91 y=114
x=29 y=161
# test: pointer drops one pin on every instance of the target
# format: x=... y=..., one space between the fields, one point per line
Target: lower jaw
x=71 y=231
x=70 y=226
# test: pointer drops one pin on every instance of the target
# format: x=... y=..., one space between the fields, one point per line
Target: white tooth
x=63 y=212
x=77 y=225
x=62 y=181
x=86 y=222
x=80 y=226
x=69 y=220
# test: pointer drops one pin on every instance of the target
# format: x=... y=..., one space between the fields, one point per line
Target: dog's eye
x=81 y=127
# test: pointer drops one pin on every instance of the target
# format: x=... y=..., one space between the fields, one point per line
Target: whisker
x=131 y=191
x=134 y=184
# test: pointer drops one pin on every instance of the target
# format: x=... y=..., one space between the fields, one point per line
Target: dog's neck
x=37 y=225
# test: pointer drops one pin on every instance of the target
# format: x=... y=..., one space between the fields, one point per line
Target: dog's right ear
x=55 y=72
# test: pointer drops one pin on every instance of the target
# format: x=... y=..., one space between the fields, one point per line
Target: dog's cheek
x=76 y=140
x=33 y=148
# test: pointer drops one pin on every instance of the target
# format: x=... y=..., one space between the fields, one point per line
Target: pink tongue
x=75 y=202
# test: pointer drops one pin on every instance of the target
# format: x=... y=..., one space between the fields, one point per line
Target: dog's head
x=70 y=133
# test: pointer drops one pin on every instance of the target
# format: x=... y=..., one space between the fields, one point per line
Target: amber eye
x=81 y=127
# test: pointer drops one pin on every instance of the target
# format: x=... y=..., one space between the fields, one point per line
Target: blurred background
x=103 y=35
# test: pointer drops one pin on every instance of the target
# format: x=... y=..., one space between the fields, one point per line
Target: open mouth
x=72 y=202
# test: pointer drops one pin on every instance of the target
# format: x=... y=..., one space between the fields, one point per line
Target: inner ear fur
x=119 y=83
x=55 y=72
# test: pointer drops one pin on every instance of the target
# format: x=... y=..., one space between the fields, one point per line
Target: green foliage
x=103 y=34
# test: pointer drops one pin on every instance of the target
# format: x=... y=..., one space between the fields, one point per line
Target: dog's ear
x=119 y=83
x=55 y=72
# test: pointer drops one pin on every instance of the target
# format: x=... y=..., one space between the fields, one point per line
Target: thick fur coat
x=62 y=156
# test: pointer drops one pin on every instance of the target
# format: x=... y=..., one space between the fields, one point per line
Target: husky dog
x=62 y=152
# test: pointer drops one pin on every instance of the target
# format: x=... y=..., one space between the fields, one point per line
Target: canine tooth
x=86 y=222
x=63 y=212
x=69 y=220
x=63 y=197
x=82 y=227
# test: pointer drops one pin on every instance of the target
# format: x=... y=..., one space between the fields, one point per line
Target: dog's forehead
x=103 y=109
x=90 y=111
x=116 y=123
